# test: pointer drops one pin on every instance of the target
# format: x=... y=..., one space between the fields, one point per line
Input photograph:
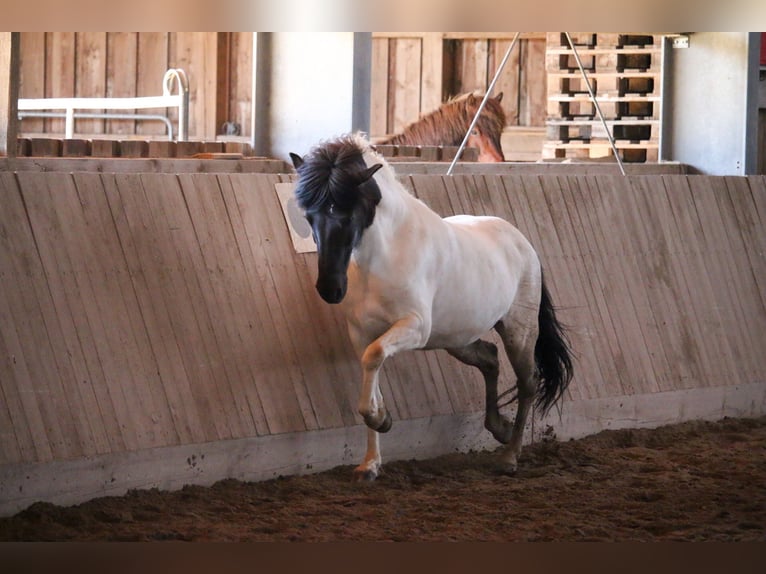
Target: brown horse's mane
x=448 y=124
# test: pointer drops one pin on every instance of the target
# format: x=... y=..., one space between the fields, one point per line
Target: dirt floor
x=695 y=481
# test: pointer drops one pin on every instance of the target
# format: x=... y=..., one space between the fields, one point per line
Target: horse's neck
x=398 y=210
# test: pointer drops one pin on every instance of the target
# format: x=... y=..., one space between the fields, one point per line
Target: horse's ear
x=297 y=160
x=499 y=97
x=370 y=171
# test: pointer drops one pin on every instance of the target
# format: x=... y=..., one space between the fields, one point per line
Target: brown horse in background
x=449 y=123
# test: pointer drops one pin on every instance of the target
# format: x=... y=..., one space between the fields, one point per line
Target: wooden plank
x=121 y=75
x=240 y=106
x=472 y=69
x=722 y=266
x=509 y=80
x=670 y=294
x=9 y=91
x=643 y=265
x=195 y=53
x=90 y=75
x=60 y=301
x=405 y=59
x=618 y=332
x=22 y=332
x=201 y=343
x=745 y=296
x=151 y=62
x=267 y=334
x=220 y=276
x=533 y=84
x=379 y=88
x=32 y=75
x=148 y=274
x=712 y=322
x=114 y=314
x=326 y=389
x=431 y=95
x=59 y=72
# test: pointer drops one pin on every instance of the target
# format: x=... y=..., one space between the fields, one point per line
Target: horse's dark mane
x=329 y=175
x=448 y=124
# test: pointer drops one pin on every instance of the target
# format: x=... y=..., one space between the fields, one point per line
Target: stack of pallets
x=625 y=73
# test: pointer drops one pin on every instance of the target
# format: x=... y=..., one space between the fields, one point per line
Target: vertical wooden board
x=562 y=278
x=744 y=196
x=90 y=75
x=222 y=280
x=15 y=439
x=181 y=249
x=274 y=350
x=406 y=58
x=614 y=316
x=32 y=74
x=473 y=65
x=712 y=321
x=59 y=72
x=431 y=95
x=240 y=105
x=111 y=301
x=508 y=82
x=195 y=53
x=636 y=266
x=379 y=89
x=735 y=283
x=93 y=342
x=121 y=75
x=321 y=346
x=722 y=269
x=594 y=331
x=149 y=277
x=60 y=304
x=533 y=88
x=670 y=297
x=152 y=62
x=22 y=330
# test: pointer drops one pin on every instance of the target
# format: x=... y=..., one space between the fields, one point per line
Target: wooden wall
x=413 y=73
x=127 y=64
x=151 y=310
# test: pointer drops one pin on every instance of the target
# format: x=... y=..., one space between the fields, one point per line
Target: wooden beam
x=9 y=91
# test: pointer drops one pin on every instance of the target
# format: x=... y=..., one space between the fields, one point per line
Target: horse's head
x=489 y=127
x=338 y=195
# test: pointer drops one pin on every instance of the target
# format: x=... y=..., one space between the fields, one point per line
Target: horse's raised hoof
x=501 y=429
x=387 y=423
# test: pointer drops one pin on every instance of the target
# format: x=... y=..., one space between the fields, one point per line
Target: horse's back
x=490 y=264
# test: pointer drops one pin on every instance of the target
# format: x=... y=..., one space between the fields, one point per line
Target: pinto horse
x=448 y=125
x=409 y=279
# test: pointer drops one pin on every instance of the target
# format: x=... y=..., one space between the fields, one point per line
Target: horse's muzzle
x=332 y=289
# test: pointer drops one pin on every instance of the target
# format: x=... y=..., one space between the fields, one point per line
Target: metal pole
x=483 y=102
x=595 y=103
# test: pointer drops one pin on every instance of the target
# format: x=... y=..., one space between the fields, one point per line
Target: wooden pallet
x=625 y=75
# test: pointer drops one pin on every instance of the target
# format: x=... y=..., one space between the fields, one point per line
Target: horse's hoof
x=364 y=475
x=387 y=423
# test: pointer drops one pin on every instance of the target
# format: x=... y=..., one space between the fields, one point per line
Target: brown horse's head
x=449 y=123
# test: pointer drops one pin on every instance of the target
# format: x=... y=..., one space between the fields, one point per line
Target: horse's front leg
x=407 y=333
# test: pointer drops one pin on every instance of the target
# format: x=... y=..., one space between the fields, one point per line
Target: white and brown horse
x=409 y=279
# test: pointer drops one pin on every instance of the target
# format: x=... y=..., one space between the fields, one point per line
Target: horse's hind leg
x=483 y=355
x=519 y=343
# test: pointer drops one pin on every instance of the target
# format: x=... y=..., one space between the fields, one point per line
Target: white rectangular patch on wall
x=300 y=230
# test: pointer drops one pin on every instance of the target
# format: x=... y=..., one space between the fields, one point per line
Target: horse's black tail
x=553 y=355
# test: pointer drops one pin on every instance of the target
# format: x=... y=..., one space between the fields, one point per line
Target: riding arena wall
x=159 y=329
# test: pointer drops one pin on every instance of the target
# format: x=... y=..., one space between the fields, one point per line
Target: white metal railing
x=174 y=78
